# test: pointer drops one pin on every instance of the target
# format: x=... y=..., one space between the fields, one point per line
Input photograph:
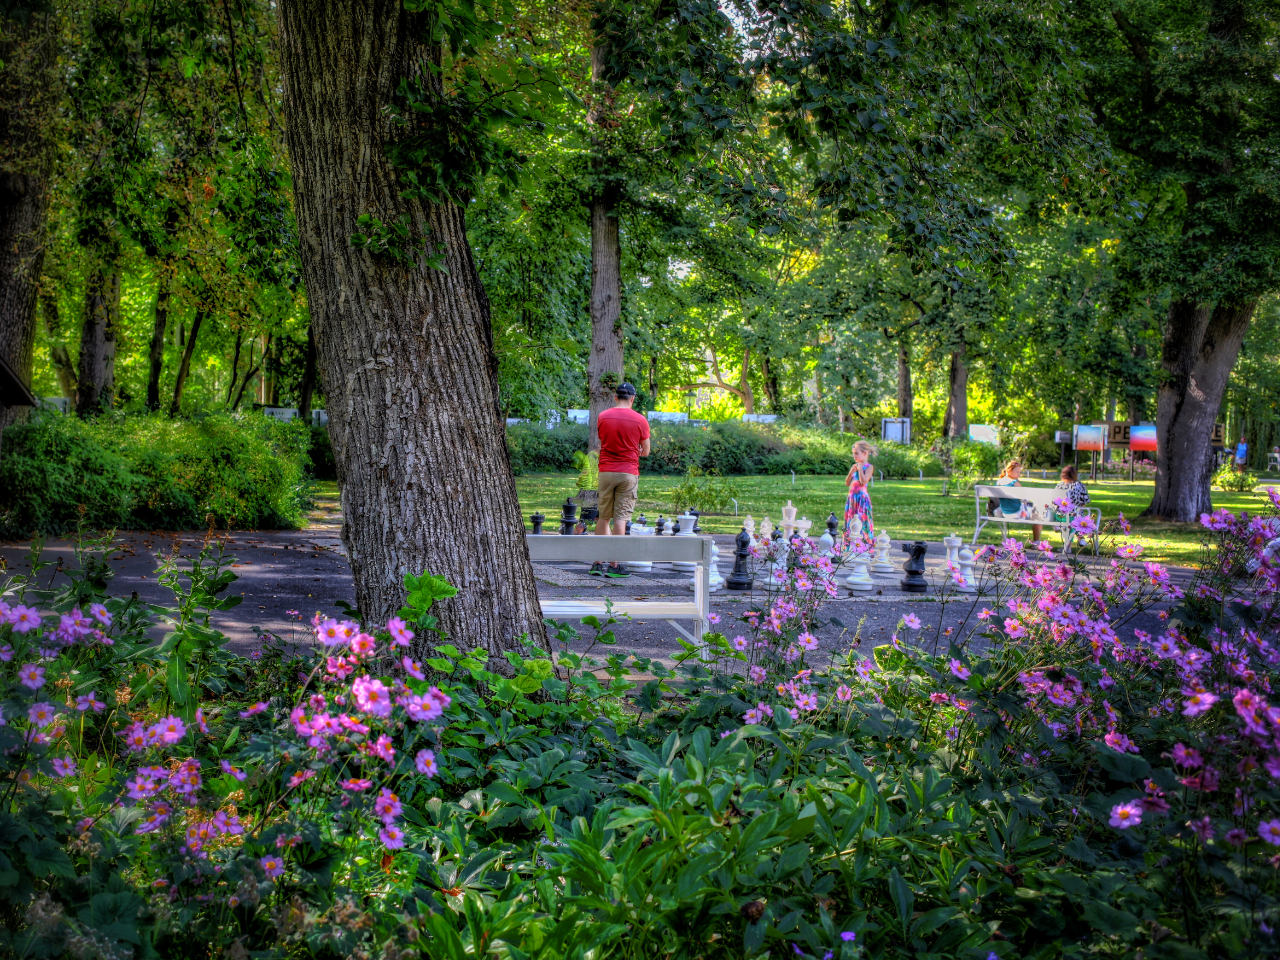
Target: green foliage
x=588 y=465
x=150 y=472
x=323 y=465
x=707 y=493
x=1228 y=478
x=394 y=241
x=973 y=462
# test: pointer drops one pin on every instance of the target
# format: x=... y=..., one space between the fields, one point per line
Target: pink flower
x=1247 y=702
x=41 y=714
x=387 y=806
x=299 y=778
x=371 y=696
x=24 y=619
x=1198 y=703
x=200 y=720
x=90 y=701
x=1188 y=757
x=392 y=837
x=1202 y=828
x=713 y=617
x=99 y=613
x=1237 y=837
x=756 y=674
x=413 y=668
x=1014 y=628
x=355 y=784
x=425 y=762
x=363 y=645
x=169 y=730
x=31 y=675
x=807 y=641
x=740 y=643
x=339 y=667
x=64 y=766
x=234 y=771
x=959 y=669
x=1129 y=550
x=1121 y=743
x=400 y=634
x=912 y=621
x=806 y=702
x=254 y=710
x=844 y=693
x=330 y=633
x=272 y=866
x=1269 y=830
x=1126 y=815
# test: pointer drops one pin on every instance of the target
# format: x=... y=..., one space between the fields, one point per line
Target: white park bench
x=552 y=548
x=1041 y=511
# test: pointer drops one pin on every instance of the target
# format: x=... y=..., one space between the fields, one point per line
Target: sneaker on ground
x=597 y=569
x=617 y=571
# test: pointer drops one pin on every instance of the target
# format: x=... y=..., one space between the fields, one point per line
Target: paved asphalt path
x=306 y=570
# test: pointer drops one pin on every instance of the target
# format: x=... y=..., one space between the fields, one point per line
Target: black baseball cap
x=624 y=390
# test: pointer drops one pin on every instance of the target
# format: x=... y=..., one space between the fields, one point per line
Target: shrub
x=151 y=472
x=706 y=493
x=323 y=465
x=1035 y=786
x=973 y=462
x=535 y=449
x=1227 y=478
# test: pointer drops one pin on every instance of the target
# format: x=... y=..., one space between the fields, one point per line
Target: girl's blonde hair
x=1007 y=467
x=864 y=447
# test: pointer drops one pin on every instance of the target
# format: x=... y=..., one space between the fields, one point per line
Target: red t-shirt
x=621 y=432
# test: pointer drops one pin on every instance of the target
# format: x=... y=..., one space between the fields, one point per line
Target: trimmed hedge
x=151 y=473
x=727 y=448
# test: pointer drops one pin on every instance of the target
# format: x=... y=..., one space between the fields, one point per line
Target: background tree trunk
x=156 y=358
x=96 y=391
x=406 y=353
x=308 y=377
x=29 y=92
x=1201 y=343
x=184 y=368
x=58 y=353
x=956 y=422
x=905 y=398
x=772 y=389
x=606 y=259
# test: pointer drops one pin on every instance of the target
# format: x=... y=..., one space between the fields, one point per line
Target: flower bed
x=1050 y=782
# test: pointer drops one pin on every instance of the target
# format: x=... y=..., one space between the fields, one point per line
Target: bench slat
x=648 y=609
x=590 y=548
x=1041 y=496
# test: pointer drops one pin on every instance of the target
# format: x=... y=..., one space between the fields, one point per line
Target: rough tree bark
x=772 y=389
x=97 y=374
x=184 y=368
x=1201 y=343
x=29 y=92
x=956 y=422
x=156 y=357
x=606 y=259
x=905 y=398
x=406 y=352
x=307 y=389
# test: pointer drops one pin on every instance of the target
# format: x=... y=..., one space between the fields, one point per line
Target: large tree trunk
x=96 y=390
x=772 y=390
x=1201 y=343
x=156 y=356
x=956 y=422
x=606 y=263
x=406 y=353
x=905 y=398
x=184 y=368
x=29 y=92
x=308 y=386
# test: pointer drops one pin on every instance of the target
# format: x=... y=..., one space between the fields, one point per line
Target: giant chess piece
x=966 y=571
x=640 y=529
x=882 y=564
x=715 y=580
x=827 y=542
x=952 y=545
x=741 y=578
x=662 y=525
x=538 y=520
x=914 y=581
x=788 y=520
x=568 y=517
x=749 y=525
x=766 y=529
x=696 y=517
x=860 y=580
x=684 y=528
x=802 y=527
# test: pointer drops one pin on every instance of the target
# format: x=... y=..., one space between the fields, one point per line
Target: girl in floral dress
x=859 y=504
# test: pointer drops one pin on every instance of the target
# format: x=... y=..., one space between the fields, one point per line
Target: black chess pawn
x=914 y=581
x=642 y=521
x=675 y=527
x=833 y=525
x=696 y=518
x=777 y=533
x=568 y=517
x=662 y=524
x=628 y=528
x=740 y=578
x=538 y=520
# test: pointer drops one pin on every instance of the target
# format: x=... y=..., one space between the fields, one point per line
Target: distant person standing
x=1242 y=454
x=624 y=439
x=859 y=502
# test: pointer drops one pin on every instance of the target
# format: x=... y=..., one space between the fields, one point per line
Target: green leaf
x=1077 y=849
x=1125 y=767
x=176 y=677
x=903 y=898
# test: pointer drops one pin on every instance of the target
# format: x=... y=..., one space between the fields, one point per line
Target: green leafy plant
x=707 y=492
x=1228 y=478
x=588 y=465
x=396 y=242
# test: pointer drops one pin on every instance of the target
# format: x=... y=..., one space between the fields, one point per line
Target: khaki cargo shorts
x=617 y=496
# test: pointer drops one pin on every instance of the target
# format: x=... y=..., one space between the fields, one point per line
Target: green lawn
x=908 y=509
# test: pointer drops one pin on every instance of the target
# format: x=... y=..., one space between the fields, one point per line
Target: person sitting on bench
x=1009 y=507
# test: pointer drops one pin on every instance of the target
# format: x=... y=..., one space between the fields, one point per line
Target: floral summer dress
x=858 y=505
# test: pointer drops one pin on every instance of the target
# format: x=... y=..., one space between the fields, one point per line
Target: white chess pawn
x=749 y=525
x=966 y=571
x=716 y=579
x=766 y=528
x=641 y=530
x=881 y=563
x=788 y=520
x=803 y=525
x=687 y=521
x=952 y=544
x=826 y=543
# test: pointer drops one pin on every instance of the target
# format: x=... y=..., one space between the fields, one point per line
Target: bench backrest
x=1040 y=496
x=590 y=548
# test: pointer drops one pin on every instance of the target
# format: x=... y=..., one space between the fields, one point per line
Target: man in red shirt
x=624 y=439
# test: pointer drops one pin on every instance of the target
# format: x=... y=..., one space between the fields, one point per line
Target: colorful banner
x=1143 y=437
x=1089 y=437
